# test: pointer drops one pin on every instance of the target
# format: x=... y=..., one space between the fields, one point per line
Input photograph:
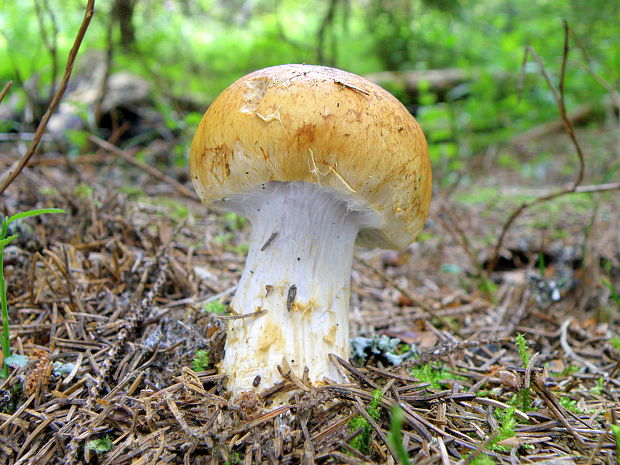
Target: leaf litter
x=108 y=304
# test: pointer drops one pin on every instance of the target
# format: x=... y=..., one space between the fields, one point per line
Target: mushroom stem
x=298 y=272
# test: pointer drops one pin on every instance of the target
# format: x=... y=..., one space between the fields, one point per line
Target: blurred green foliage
x=192 y=49
x=216 y=307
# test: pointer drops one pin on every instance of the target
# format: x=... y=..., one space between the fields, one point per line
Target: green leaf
x=4 y=242
x=29 y=213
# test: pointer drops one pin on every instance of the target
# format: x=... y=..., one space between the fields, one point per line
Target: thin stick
x=14 y=171
x=362 y=411
x=149 y=169
x=615 y=95
x=558 y=95
x=411 y=296
x=240 y=317
x=459 y=236
x=569 y=351
x=5 y=90
x=481 y=447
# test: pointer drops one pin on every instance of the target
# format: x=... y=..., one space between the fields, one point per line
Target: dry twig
x=558 y=94
x=5 y=90
x=143 y=166
x=8 y=177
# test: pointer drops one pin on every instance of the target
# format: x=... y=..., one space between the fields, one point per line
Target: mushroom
x=316 y=159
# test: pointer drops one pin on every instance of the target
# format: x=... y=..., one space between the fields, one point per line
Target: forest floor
x=110 y=303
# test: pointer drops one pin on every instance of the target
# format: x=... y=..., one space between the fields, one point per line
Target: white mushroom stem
x=297 y=272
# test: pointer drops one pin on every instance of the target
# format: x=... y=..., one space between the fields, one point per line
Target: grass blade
x=42 y=211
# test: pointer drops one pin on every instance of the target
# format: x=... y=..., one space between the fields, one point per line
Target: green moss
x=132 y=192
x=433 y=375
x=226 y=240
x=83 y=191
x=524 y=396
x=506 y=429
x=523 y=348
x=201 y=361
x=361 y=442
x=178 y=211
x=569 y=370
x=234 y=458
x=600 y=385
x=482 y=459
x=612 y=291
x=507 y=424
x=569 y=404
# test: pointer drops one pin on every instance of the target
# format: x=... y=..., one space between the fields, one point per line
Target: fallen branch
x=435 y=80
x=63 y=161
x=551 y=127
x=9 y=176
x=611 y=186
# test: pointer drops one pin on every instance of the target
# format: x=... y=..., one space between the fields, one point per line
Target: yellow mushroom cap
x=320 y=125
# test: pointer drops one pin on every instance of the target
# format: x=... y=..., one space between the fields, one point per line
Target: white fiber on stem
x=298 y=272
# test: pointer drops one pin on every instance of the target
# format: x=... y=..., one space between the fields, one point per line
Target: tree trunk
x=123 y=13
